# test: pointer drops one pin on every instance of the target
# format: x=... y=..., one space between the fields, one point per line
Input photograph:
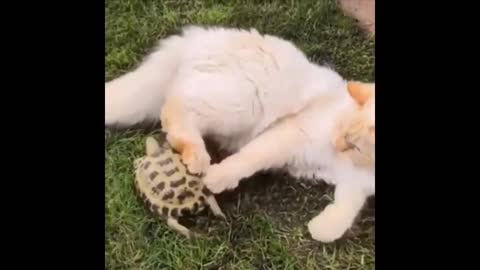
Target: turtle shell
x=166 y=186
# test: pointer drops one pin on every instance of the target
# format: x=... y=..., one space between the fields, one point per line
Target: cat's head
x=355 y=136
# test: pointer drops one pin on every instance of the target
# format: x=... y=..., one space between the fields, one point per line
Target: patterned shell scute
x=166 y=186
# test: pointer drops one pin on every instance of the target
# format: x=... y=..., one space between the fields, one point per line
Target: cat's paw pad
x=217 y=179
x=328 y=226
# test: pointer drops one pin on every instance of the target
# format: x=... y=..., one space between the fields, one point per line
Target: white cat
x=261 y=99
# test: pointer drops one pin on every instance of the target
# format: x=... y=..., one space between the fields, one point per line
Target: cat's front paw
x=193 y=154
x=196 y=159
x=217 y=179
x=329 y=226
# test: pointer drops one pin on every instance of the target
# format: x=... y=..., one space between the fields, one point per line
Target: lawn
x=267 y=216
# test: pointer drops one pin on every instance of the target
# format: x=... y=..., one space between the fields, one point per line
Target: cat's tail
x=138 y=96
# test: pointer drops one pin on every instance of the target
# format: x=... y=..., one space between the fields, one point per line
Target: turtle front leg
x=212 y=202
x=173 y=223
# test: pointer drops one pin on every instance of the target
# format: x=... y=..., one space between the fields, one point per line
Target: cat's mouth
x=365 y=157
x=351 y=146
x=343 y=144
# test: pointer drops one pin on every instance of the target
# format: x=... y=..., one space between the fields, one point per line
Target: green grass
x=267 y=215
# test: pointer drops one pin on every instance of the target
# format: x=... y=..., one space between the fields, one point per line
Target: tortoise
x=168 y=189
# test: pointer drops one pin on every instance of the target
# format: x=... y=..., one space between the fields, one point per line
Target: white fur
x=259 y=97
x=139 y=95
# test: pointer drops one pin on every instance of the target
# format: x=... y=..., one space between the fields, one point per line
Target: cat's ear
x=361 y=92
x=151 y=146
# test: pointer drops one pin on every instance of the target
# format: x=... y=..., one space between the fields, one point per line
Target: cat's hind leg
x=184 y=136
